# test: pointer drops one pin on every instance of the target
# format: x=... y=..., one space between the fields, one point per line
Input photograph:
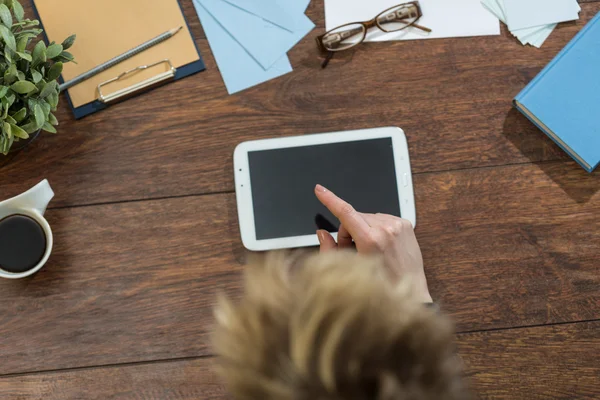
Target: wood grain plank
x=451 y=96
x=558 y=362
x=504 y=247
x=495 y=237
x=552 y=362
x=189 y=380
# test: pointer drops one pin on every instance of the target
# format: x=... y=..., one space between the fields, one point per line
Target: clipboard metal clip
x=127 y=92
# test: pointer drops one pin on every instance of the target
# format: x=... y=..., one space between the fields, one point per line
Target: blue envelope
x=284 y=14
x=238 y=68
x=299 y=5
x=265 y=29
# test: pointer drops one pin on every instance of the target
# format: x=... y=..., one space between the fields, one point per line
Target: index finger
x=348 y=216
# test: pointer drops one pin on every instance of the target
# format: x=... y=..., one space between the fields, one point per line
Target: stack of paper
x=532 y=21
x=250 y=38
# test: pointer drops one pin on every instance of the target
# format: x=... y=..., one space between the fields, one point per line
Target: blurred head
x=331 y=326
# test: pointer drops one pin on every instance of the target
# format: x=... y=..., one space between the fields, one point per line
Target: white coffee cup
x=31 y=204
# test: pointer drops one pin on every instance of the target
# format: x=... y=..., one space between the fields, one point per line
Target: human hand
x=392 y=237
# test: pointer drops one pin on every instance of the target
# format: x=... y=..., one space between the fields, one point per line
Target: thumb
x=327 y=241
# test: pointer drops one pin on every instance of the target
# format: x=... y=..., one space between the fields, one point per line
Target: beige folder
x=108 y=28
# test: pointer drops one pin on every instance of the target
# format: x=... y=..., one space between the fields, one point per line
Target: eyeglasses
x=347 y=36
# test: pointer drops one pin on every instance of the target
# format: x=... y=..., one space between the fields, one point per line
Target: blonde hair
x=332 y=326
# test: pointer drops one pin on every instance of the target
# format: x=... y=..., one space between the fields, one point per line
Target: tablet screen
x=283 y=180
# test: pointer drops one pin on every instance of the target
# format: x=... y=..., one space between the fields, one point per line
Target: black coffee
x=22 y=243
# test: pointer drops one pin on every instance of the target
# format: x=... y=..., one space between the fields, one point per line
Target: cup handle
x=36 y=198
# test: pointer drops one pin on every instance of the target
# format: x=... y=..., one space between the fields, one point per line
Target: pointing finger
x=352 y=220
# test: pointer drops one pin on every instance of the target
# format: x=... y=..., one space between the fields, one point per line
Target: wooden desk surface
x=146 y=229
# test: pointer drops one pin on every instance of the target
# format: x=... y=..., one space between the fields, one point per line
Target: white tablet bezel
x=243 y=188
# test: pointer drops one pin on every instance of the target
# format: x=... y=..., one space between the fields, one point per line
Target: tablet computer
x=275 y=181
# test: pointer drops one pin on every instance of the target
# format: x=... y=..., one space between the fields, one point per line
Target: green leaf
x=20 y=115
x=27 y=23
x=10 y=75
x=52 y=119
x=23 y=41
x=48 y=128
x=54 y=72
x=68 y=42
x=53 y=51
x=39 y=53
x=8 y=53
x=65 y=56
x=34 y=32
x=3 y=91
x=4 y=145
x=53 y=100
x=46 y=108
x=6 y=125
x=21 y=76
x=7 y=102
x=18 y=10
x=30 y=127
x=25 y=56
x=8 y=38
x=10 y=119
x=40 y=85
x=6 y=107
x=48 y=89
x=19 y=132
x=40 y=118
x=36 y=76
x=23 y=87
x=9 y=144
x=31 y=104
x=10 y=97
x=6 y=16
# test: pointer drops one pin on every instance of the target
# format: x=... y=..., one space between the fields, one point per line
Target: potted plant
x=28 y=77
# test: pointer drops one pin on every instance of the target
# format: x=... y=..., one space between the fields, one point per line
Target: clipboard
x=108 y=28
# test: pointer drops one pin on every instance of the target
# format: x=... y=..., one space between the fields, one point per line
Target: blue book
x=564 y=99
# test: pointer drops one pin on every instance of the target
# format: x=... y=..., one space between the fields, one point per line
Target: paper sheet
x=529 y=13
x=535 y=36
x=238 y=69
x=299 y=5
x=266 y=31
x=457 y=18
x=274 y=11
x=538 y=37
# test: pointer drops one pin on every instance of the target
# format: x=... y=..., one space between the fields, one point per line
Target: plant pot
x=21 y=144
x=17 y=147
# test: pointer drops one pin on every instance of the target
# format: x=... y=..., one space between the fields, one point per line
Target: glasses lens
x=398 y=18
x=344 y=37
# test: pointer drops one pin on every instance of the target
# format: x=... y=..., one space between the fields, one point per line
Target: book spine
x=521 y=96
x=551 y=137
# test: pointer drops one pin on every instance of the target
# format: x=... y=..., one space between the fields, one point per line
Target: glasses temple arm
x=421 y=27
x=328 y=58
